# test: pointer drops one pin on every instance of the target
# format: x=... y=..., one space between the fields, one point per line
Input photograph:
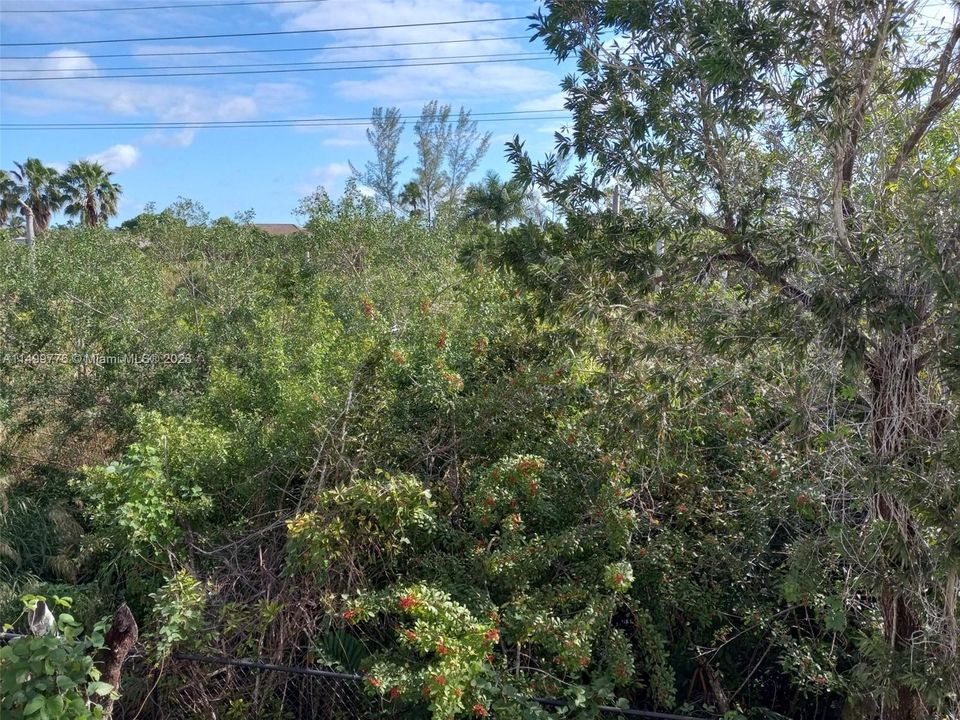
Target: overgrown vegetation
x=691 y=450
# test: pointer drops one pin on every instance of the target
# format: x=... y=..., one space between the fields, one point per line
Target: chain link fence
x=223 y=688
x=301 y=693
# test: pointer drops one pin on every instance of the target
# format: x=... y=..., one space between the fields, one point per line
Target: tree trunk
x=91 y=210
x=120 y=639
x=896 y=418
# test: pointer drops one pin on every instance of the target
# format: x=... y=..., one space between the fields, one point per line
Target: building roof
x=278 y=228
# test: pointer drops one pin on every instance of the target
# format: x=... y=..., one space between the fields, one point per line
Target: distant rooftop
x=278 y=228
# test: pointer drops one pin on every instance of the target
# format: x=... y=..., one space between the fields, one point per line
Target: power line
x=266 y=33
x=237 y=124
x=33 y=11
x=514 y=56
x=266 y=72
x=285 y=120
x=322 y=48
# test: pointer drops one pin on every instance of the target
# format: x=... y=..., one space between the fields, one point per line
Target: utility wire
x=514 y=56
x=264 y=72
x=33 y=11
x=270 y=33
x=206 y=123
x=273 y=50
x=240 y=125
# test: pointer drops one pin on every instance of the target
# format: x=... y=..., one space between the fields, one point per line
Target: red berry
x=407 y=602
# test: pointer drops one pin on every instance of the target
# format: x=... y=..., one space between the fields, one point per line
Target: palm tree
x=17 y=224
x=38 y=186
x=411 y=198
x=494 y=201
x=89 y=192
x=9 y=197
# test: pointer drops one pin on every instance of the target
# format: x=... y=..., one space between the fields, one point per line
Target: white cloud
x=169 y=54
x=170 y=138
x=492 y=81
x=349 y=13
x=343 y=136
x=550 y=102
x=331 y=172
x=117 y=157
x=330 y=177
x=164 y=101
x=343 y=142
x=61 y=64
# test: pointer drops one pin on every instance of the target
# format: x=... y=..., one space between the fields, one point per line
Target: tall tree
x=411 y=198
x=381 y=175
x=432 y=132
x=466 y=147
x=39 y=187
x=494 y=201
x=802 y=156
x=9 y=197
x=89 y=192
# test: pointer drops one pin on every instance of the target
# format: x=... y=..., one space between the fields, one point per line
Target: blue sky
x=266 y=169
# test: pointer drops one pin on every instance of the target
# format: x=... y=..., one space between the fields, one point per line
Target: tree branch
x=843 y=208
x=942 y=96
x=747 y=259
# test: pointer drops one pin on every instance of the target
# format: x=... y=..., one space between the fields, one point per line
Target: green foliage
x=365 y=523
x=789 y=180
x=441 y=649
x=139 y=503
x=178 y=613
x=368 y=420
x=53 y=676
x=494 y=201
x=89 y=193
x=605 y=461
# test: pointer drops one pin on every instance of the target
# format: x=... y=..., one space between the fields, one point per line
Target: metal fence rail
x=304 y=693
x=356 y=680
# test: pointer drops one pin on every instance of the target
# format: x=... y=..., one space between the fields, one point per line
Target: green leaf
x=99 y=688
x=34 y=705
x=55 y=706
x=65 y=683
